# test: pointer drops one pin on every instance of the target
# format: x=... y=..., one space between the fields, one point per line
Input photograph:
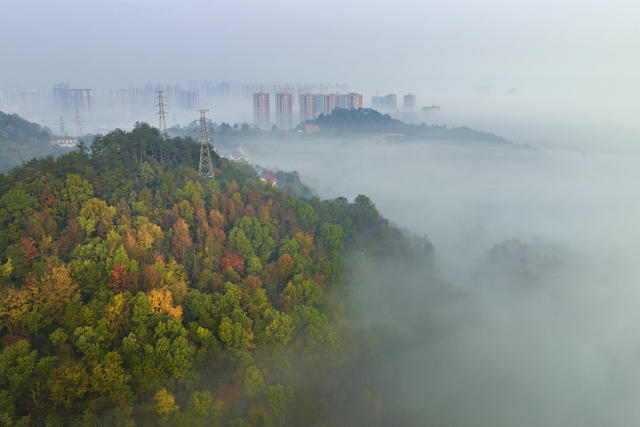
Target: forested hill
x=15 y=128
x=21 y=140
x=134 y=293
x=369 y=121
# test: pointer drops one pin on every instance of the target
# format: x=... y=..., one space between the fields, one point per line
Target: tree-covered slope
x=21 y=140
x=134 y=293
x=369 y=121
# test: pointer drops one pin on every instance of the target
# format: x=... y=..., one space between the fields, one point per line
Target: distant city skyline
x=99 y=110
x=494 y=64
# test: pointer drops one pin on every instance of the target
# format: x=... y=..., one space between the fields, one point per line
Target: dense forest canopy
x=21 y=140
x=132 y=292
x=15 y=128
x=343 y=122
x=369 y=121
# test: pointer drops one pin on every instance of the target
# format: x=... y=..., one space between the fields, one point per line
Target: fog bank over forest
x=468 y=196
x=529 y=314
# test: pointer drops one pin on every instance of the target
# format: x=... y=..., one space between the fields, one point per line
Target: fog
x=529 y=314
x=486 y=193
x=565 y=68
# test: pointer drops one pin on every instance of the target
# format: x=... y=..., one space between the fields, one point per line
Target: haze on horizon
x=565 y=70
x=527 y=313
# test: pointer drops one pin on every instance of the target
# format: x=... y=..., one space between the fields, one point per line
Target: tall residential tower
x=261 y=113
x=284 y=110
x=308 y=106
x=409 y=101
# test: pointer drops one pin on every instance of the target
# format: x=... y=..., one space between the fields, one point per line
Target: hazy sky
x=572 y=59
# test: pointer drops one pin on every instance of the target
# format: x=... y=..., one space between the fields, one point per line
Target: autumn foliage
x=132 y=292
x=29 y=249
x=162 y=303
x=181 y=241
x=119 y=278
x=232 y=261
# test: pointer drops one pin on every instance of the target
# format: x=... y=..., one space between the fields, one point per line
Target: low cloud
x=526 y=314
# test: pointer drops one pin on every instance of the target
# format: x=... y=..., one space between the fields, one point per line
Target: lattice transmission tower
x=162 y=115
x=206 y=165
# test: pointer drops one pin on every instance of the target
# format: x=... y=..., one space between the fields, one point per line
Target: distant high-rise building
x=390 y=101
x=409 y=101
x=125 y=98
x=81 y=99
x=354 y=101
x=387 y=102
x=73 y=99
x=173 y=93
x=342 y=101
x=59 y=93
x=149 y=95
x=117 y=97
x=350 y=101
x=284 y=110
x=189 y=99
x=261 y=114
x=377 y=102
x=217 y=89
x=308 y=105
x=330 y=103
x=319 y=104
x=28 y=98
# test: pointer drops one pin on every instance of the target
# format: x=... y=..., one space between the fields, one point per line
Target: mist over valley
x=329 y=213
x=526 y=314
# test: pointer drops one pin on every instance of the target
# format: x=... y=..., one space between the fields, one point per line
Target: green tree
x=21 y=373
x=75 y=192
x=67 y=383
x=203 y=410
x=165 y=405
x=110 y=382
x=241 y=243
x=15 y=206
x=280 y=399
x=95 y=211
x=250 y=238
x=253 y=382
x=331 y=236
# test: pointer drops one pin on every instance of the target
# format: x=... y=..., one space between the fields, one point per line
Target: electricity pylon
x=162 y=115
x=206 y=165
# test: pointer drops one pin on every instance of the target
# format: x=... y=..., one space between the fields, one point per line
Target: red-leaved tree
x=119 y=278
x=232 y=261
x=29 y=249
